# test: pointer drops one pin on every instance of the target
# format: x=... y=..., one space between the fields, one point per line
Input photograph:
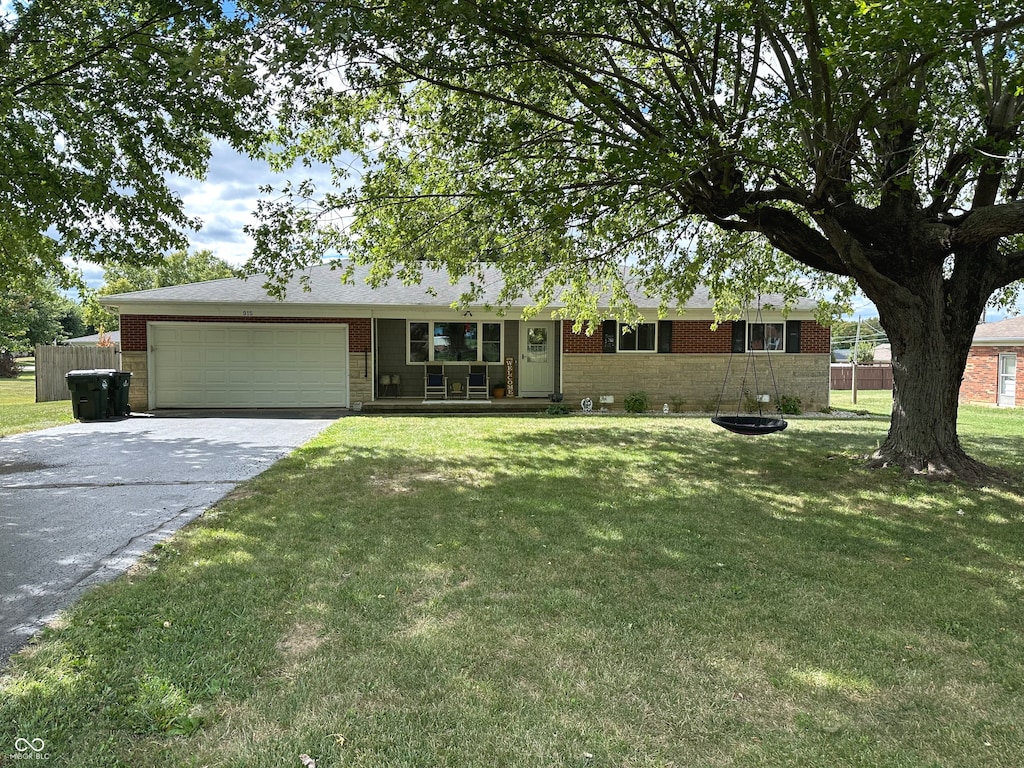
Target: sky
x=225 y=202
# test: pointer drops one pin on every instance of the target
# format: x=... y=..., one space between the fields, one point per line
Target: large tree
x=814 y=144
x=101 y=105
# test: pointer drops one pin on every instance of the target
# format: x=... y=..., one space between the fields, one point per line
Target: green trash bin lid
x=102 y=376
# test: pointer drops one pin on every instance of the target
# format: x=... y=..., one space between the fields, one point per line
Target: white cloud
x=226 y=200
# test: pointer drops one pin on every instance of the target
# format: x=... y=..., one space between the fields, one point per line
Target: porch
x=413 y=405
x=446 y=365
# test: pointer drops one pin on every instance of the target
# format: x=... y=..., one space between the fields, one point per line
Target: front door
x=1007 y=381
x=537 y=359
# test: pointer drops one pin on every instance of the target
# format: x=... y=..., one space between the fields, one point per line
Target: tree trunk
x=930 y=342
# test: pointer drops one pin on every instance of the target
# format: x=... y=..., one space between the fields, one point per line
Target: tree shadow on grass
x=543 y=569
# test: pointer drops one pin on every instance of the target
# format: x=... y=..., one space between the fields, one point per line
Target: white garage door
x=247 y=365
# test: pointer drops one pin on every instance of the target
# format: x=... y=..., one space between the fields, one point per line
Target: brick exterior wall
x=135 y=349
x=580 y=343
x=981 y=375
x=815 y=339
x=688 y=337
x=695 y=337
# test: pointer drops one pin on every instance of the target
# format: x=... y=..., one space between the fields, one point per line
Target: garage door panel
x=287 y=356
x=236 y=353
x=264 y=378
x=287 y=337
x=265 y=356
x=216 y=365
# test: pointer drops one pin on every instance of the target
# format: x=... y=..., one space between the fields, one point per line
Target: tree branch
x=92 y=55
x=988 y=224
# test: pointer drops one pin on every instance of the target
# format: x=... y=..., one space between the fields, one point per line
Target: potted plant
x=498 y=389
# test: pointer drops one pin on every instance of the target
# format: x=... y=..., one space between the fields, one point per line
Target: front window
x=491 y=347
x=766 y=336
x=642 y=337
x=449 y=341
x=419 y=334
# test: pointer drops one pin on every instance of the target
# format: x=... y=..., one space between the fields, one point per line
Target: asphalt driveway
x=79 y=504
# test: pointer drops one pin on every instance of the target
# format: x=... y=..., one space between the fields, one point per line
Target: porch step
x=496 y=405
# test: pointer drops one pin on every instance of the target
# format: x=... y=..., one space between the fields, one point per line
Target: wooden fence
x=52 y=363
x=868 y=377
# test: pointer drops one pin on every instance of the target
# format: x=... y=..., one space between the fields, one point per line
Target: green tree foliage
x=100 y=105
x=178 y=268
x=769 y=145
x=34 y=311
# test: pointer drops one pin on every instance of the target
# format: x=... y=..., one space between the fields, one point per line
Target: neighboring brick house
x=990 y=376
x=225 y=343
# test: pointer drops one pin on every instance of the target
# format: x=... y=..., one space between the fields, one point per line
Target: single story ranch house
x=227 y=344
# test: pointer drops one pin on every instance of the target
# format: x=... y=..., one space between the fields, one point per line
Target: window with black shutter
x=792 y=335
x=609 y=334
x=739 y=336
x=664 y=336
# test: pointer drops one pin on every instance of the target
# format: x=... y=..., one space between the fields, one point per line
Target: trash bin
x=120 y=381
x=90 y=393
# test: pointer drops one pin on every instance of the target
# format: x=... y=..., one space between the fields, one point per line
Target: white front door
x=1007 y=381
x=537 y=352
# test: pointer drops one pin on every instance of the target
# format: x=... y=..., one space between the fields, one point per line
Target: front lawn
x=579 y=591
x=19 y=411
x=876 y=402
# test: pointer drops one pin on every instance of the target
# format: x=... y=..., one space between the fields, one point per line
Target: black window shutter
x=792 y=335
x=610 y=333
x=664 y=336
x=739 y=336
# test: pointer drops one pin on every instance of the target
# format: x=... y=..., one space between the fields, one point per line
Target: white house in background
x=93 y=339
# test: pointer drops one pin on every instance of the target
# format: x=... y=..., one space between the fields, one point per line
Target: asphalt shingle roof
x=325 y=287
x=1010 y=329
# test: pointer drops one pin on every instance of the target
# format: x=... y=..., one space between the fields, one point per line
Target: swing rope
x=748 y=424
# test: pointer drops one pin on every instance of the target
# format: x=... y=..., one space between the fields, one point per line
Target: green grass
x=875 y=402
x=578 y=591
x=19 y=411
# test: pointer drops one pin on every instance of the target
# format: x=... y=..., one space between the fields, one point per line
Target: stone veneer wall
x=981 y=375
x=696 y=378
x=695 y=369
x=135 y=350
x=138 y=364
x=360 y=377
